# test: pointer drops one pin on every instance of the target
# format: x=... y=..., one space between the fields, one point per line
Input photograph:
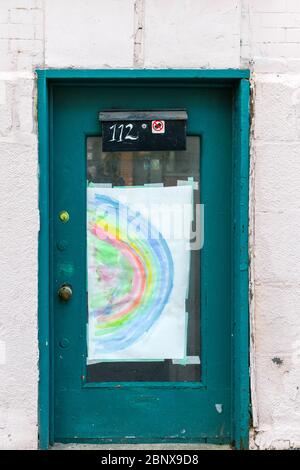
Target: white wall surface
x=262 y=35
x=191 y=33
x=95 y=34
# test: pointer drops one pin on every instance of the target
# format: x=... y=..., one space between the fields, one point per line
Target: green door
x=142 y=349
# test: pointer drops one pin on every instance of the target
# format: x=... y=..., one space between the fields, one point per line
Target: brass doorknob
x=65 y=292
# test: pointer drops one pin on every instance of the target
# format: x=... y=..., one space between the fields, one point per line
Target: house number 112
x=122 y=132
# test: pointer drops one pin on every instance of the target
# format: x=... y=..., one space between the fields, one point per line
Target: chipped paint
x=277 y=361
x=65 y=269
x=219 y=407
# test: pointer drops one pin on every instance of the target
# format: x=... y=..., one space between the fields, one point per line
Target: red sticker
x=158 y=127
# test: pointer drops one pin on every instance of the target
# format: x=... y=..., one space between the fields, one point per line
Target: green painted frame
x=239 y=80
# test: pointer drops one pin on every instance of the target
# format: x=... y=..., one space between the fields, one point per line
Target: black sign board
x=143 y=130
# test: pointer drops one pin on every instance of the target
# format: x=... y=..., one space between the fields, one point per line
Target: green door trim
x=239 y=81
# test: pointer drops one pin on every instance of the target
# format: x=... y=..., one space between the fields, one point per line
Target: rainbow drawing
x=130 y=276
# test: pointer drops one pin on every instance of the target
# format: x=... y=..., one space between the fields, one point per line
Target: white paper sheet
x=138 y=276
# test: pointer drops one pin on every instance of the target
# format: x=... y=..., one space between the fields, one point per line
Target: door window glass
x=143 y=321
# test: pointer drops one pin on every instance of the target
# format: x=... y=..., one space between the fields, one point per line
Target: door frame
x=239 y=81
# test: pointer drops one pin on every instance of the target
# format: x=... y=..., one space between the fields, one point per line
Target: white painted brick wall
x=262 y=35
x=177 y=34
x=270 y=40
x=21 y=49
x=94 y=36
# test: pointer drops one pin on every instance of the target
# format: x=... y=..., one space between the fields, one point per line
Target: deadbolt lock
x=65 y=292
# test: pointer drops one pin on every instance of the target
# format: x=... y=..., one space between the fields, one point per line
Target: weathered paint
x=241 y=379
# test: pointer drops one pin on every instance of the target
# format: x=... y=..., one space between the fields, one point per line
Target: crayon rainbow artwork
x=130 y=277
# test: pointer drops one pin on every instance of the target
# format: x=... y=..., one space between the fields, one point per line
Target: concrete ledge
x=140 y=447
